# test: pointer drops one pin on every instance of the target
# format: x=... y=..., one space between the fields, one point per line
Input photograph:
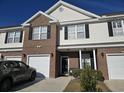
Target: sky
x=15 y=12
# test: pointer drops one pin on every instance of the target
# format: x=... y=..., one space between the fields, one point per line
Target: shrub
x=89 y=79
x=99 y=75
x=75 y=72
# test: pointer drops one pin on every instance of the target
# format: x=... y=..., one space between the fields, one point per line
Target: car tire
x=5 y=85
x=33 y=76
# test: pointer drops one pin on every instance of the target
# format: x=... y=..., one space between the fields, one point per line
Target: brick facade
x=73 y=58
x=47 y=46
x=102 y=61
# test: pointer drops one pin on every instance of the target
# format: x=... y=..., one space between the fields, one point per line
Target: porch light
x=102 y=54
x=51 y=54
x=24 y=55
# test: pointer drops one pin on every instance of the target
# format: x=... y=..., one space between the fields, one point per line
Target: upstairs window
x=116 y=28
x=13 y=37
x=39 y=33
x=79 y=31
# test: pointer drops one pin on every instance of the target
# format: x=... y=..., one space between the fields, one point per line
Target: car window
x=12 y=64
x=22 y=64
x=3 y=65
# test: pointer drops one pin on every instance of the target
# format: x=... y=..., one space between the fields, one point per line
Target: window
x=118 y=27
x=76 y=31
x=13 y=37
x=39 y=33
x=71 y=32
x=80 y=31
x=22 y=65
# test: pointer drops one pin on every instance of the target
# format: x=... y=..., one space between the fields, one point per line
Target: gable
x=40 y=20
x=63 y=13
x=70 y=12
x=37 y=15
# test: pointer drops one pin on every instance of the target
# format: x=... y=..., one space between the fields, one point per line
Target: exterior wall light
x=102 y=54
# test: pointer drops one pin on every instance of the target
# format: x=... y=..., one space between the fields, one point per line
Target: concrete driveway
x=45 y=85
x=115 y=85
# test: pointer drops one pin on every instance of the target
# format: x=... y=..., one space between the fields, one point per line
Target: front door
x=64 y=65
x=86 y=59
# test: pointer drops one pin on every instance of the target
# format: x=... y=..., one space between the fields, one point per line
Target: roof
x=59 y=3
x=114 y=13
x=39 y=13
x=10 y=27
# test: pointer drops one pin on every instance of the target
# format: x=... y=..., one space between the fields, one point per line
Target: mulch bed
x=74 y=86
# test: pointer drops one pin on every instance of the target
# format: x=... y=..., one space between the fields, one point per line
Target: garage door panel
x=14 y=58
x=115 y=66
x=41 y=63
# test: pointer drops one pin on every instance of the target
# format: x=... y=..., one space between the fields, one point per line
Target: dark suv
x=12 y=72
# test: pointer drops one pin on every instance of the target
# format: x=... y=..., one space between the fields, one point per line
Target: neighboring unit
x=66 y=37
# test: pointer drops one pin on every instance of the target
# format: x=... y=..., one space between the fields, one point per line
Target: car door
x=14 y=70
x=24 y=70
x=18 y=70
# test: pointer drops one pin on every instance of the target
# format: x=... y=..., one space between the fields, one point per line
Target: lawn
x=74 y=86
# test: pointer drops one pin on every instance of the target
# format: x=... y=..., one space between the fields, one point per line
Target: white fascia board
x=79 y=21
x=102 y=19
x=11 y=28
x=79 y=9
x=53 y=7
x=89 y=46
x=113 y=16
x=72 y=7
x=23 y=25
x=38 y=13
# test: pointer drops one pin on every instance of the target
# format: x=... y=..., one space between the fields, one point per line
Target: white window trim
x=122 y=23
x=75 y=28
x=83 y=32
x=13 y=38
x=40 y=32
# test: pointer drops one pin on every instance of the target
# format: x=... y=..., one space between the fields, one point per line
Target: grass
x=74 y=86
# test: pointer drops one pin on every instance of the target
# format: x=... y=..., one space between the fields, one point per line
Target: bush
x=99 y=75
x=89 y=79
x=75 y=72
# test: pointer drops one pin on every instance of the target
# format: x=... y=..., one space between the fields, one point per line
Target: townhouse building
x=66 y=37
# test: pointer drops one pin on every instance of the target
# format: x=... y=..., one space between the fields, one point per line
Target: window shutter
x=87 y=30
x=66 y=33
x=48 y=31
x=110 y=29
x=6 y=37
x=21 y=36
x=30 y=33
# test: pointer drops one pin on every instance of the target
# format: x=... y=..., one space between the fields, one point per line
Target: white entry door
x=115 y=66
x=41 y=63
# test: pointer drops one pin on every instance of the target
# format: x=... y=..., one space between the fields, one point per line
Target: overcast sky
x=15 y=12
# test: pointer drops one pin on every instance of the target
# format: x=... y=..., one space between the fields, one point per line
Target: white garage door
x=13 y=58
x=41 y=63
x=115 y=66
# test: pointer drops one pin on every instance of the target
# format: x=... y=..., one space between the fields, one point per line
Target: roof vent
x=61 y=9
